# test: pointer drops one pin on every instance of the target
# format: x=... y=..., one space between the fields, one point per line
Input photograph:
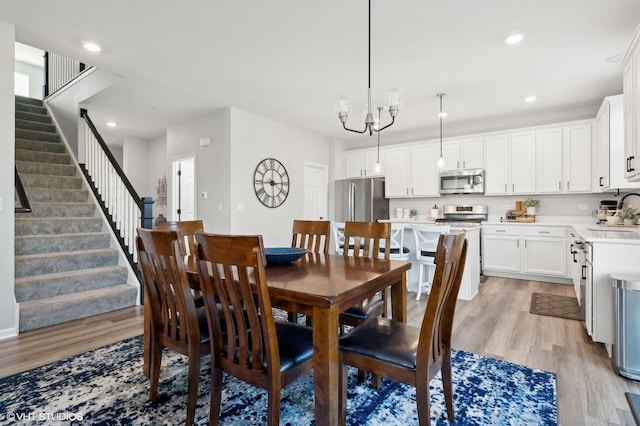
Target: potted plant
x=628 y=215
x=531 y=204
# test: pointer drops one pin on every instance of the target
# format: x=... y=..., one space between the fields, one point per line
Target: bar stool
x=427 y=237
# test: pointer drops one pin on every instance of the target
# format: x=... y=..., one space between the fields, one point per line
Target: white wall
x=36 y=78
x=212 y=163
x=253 y=139
x=156 y=159
x=135 y=164
x=8 y=307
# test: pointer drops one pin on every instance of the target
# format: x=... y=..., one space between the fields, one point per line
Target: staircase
x=66 y=266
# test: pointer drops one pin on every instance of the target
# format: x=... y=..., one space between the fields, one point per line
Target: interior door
x=183 y=199
x=315 y=191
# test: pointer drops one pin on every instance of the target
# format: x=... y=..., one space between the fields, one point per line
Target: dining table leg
x=399 y=299
x=325 y=364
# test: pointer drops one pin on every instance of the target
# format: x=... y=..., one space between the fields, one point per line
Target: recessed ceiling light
x=530 y=99
x=112 y=124
x=514 y=38
x=92 y=47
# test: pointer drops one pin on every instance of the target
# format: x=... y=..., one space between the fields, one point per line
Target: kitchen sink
x=613 y=229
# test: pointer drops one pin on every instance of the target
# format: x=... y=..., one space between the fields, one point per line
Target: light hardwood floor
x=496 y=323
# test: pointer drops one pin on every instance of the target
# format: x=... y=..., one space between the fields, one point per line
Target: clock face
x=271 y=182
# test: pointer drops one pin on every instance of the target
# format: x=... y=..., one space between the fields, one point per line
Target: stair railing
x=118 y=199
x=59 y=71
x=22 y=205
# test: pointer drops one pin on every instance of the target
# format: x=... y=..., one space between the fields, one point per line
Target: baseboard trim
x=554 y=280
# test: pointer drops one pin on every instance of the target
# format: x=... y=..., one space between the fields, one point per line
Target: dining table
x=323 y=285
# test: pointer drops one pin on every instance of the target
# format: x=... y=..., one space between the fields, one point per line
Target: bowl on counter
x=612 y=220
x=283 y=255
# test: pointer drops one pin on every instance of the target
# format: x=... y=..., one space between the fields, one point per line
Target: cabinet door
x=549 y=164
x=577 y=158
x=472 y=153
x=523 y=163
x=397 y=174
x=370 y=160
x=501 y=253
x=451 y=154
x=635 y=116
x=629 y=100
x=424 y=170
x=600 y=146
x=496 y=168
x=353 y=164
x=545 y=256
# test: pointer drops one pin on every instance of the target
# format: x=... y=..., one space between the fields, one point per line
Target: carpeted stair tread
x=34 y=168
x=32 y=145
x=34 y=125
x=54 y=209
x=50 y=263
x=40 y=118
x=49 y=181
x=27 y=100
x=42 y=157
x=39 y=136
x=34 y=109
x=57 y=225
x=37 y=244
x=58 y=309
x=56 y=284
x=57 y=195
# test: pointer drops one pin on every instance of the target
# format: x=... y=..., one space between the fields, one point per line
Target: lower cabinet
x=525 y=250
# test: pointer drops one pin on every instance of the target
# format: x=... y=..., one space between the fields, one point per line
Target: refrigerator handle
x=352 y=201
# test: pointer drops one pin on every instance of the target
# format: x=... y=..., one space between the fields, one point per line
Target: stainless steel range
x=464 y=215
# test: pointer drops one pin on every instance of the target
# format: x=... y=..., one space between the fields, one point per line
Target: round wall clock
x=271 y=182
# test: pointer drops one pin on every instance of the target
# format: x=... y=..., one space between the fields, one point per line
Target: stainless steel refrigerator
x=361 y=200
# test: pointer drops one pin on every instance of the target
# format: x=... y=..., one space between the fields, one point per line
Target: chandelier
x=393 y=102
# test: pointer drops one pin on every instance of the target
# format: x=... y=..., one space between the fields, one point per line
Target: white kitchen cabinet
x=510 y=163
x=630 y=88
x=412 y=171
x=564 y=159
x=363 y=163
x=463 y=154
x=524 y=250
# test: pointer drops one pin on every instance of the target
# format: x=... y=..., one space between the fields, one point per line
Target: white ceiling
x=289 y=59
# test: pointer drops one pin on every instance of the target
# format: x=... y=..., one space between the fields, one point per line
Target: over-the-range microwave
x=467 y=181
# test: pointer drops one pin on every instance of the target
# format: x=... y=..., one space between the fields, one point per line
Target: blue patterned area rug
x=106 y=386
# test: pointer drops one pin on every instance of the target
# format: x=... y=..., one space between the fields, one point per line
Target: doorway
x=315 y=191
x=183 y=197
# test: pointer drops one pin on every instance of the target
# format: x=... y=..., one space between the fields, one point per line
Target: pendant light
x=378 y=167
x=393 y=102
x=441 y=115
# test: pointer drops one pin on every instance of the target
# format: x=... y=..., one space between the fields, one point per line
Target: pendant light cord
x=440 y=95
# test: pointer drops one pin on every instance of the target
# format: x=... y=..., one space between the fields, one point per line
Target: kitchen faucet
x=620 y=204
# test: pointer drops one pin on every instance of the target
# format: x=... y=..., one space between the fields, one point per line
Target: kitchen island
x=471 y=276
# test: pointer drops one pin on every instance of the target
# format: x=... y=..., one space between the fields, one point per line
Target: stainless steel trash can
x=626 y=346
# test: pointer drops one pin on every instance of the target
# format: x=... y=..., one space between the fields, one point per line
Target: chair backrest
x=398 y=250
x=311 y=234
x=437 y=323
x=338 y=236
x=427 y=238
x=186 y=230
x=367 y=238
x=231 y=270
x=167 y=289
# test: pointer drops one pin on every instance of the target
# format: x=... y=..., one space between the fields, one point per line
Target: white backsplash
x=550 y=205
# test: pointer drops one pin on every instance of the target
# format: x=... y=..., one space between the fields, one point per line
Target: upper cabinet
x=463 y=154
x=412 y=171
x=630 y=88
x=363 y=163
x=510 y=163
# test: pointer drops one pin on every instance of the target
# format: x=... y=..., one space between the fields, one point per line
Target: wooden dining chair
x=174 y=322
x=408 y=354
x=314 y=235
x=186 y=230
x=369 y=239
x=249 y=344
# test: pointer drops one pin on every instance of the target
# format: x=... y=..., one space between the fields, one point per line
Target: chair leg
x=376 y=380
x=293 y=317
x=342 y=388
x=422 y=401
x=273 y=406
x=216 y=395
x=155 y=360
x=192 y=386
x=447 y=386
x=421 y=275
